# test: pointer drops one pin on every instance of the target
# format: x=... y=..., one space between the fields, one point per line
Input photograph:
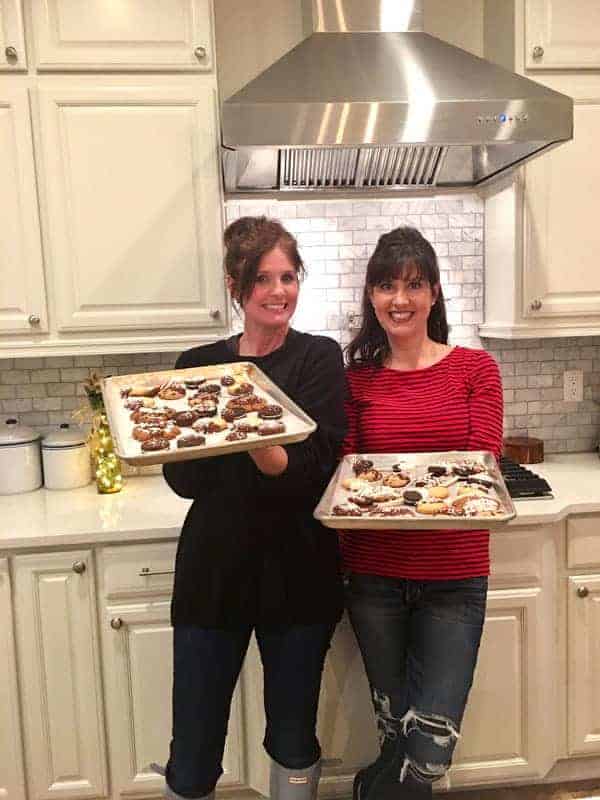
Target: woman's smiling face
x=274 y=296
x=402 y=304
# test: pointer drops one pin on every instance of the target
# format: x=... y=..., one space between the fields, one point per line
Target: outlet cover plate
x=573 y=385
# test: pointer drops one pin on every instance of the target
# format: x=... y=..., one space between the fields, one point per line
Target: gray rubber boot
x=169 y=793
x=294 y=784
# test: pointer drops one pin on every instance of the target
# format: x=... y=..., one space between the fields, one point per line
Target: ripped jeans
x=419 y=642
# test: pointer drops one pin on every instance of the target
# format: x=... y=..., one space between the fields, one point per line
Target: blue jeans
x=206 y=666
x=419 y=641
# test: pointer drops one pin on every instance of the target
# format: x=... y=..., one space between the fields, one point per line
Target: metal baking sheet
x=415 y=465
x=298 y=424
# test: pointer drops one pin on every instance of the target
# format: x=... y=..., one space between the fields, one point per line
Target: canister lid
x=12 y=433
x=64 y=436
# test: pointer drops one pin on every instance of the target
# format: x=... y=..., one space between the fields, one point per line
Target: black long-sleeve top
x=250 y=549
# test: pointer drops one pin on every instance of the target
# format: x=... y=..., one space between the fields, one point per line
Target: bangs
x=406 y=269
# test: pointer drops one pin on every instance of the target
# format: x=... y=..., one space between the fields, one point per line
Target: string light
x=108 y=466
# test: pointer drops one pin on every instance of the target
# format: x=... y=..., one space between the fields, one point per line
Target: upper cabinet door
x=134 y=213
x=562 y=236
x=127 y=34
x=12 y=40
x=562 y=35
x=22 y=292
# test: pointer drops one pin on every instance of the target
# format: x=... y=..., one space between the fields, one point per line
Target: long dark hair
x=246 y=242
x=396 y=253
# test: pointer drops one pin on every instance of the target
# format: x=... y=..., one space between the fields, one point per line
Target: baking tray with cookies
x=441 y=490
x=178 y=415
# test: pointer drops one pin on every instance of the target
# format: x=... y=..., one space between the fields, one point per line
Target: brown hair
x=395 y=254
x=246 y=242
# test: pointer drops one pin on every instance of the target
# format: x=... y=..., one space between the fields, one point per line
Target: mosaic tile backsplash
x=336 y=238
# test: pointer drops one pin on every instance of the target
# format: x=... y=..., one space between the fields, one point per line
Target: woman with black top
x=251 y=557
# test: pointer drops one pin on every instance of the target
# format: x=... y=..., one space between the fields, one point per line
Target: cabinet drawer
x=137 y=569
x=517 y=556
x=583 y=541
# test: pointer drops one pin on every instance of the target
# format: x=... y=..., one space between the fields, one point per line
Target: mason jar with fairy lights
x=105 y=462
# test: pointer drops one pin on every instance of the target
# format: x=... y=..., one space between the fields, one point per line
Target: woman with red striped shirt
x=416 y=598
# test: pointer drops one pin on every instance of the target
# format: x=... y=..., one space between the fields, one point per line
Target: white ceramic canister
x=66 y=458
x=20 y=460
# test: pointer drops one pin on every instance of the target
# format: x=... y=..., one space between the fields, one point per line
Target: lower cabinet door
x=138 y=663
x=509 y=728
x=59 y=669
x=346 y=723
x=583 y=664
x=12 y=785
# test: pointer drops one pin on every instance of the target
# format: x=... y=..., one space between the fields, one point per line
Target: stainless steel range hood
x=370 y=102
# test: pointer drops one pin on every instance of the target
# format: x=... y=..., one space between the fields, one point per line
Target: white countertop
x=147 y=509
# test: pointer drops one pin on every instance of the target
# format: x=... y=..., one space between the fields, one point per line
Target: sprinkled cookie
x=152 y=445
x=185 y=419
x=396 y=480
x=236 y=436
x=270 y=428
x=231 y=414
x=432 y=508
x=194 y=383
x=172 y=391
x=271 y=412
x=191 y=440
x=346 y=510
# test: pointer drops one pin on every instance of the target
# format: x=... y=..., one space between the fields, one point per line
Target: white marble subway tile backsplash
x=336 y=238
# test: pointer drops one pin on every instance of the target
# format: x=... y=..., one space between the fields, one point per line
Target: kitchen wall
x=336 y=238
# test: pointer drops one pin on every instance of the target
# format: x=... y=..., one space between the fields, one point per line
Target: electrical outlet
x=573 y=385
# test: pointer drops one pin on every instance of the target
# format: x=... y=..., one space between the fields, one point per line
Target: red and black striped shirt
x=455 y=404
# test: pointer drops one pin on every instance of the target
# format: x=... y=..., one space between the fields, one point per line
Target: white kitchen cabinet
x=541 y=272
x=22 y=291
x=59 y=669
x=541 y=234
x=138 y=667
x=583 y=604
x=123 y=35
x=134 y=220
x=12 y=40
x=507 y=707
x=561 y=278
x=562 y=35
x=346 y=724
x=12 y=782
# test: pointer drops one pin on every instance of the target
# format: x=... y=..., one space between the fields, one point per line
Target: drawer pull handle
x=11 y=52
x=116 y=623
x=145 y=571
x=538 y=51
x=79 y=567
x=200 y=52
x=583 y=591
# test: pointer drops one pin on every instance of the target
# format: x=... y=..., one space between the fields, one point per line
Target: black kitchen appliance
x=522 y=483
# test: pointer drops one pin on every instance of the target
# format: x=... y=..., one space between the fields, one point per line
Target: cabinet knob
x=34 y=319
x=200 y=52
x=215 y=313
x=535 y=305
x=79 y=567
x=583 y=591
x=116 y=623
x=11 y=52
x=538 y=51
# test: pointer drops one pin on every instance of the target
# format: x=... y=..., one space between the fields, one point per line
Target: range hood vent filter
x=359 y=167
